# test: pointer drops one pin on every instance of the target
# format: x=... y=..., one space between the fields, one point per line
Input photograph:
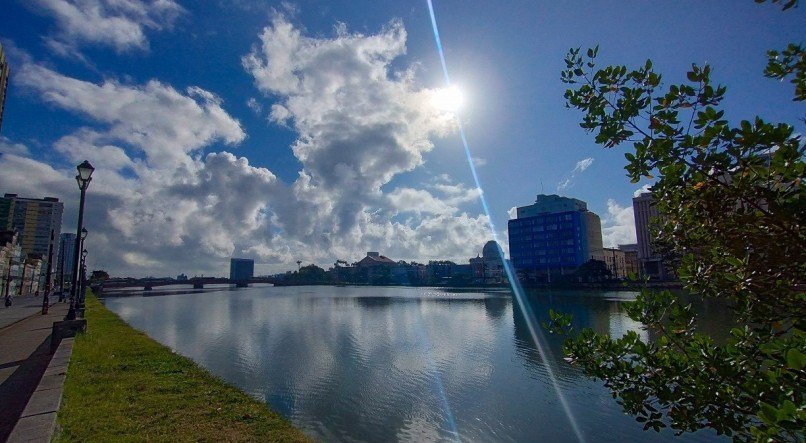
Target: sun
x=448 y=99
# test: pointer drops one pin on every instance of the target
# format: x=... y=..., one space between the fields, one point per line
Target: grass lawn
x=122 y=385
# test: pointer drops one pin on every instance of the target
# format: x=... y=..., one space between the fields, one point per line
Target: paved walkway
x=22 y=307
x=24 y=357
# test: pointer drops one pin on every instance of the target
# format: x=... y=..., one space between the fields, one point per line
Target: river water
x=391 y=363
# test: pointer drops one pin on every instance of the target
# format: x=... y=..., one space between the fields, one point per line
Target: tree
x=98 y=276
x=592 y=271
x=733 y=210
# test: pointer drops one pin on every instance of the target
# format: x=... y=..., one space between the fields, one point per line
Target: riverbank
x=122 y=385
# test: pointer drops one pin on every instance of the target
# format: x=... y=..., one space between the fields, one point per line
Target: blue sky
x=307 y=130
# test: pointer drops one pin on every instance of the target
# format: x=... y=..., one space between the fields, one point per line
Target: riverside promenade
x=24 y=358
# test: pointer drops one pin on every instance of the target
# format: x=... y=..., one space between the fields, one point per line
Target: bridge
x=196 y=282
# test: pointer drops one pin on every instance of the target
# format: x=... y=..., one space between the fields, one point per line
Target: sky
x=314 y=130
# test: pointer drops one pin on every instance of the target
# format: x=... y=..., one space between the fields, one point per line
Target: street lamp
x=83 y=279
x=83 y=179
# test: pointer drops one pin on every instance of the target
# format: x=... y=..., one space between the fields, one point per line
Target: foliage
x=789 y=62
x=99 y=276
x=310 y=274
x=592 y=271
x=123 y=386
x=733 y=210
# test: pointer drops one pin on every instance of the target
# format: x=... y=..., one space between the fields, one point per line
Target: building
x=631 y=258
x=5 y=71
x=374 y=268
x=38 y=223
x=65 y=258
x=10 y=260
x=241 y=270
x=616 y=262
x=555 y=235
x=650 y=262
x=488 y=268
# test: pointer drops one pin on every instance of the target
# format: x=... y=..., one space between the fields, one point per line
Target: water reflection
x=381 y=364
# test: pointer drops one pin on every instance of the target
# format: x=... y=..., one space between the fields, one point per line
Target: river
x=409 y=364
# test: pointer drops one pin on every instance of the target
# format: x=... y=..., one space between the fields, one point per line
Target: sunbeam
x=531 y=321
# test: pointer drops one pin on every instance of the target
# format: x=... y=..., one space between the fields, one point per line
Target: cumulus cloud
x=513 y=213
x=581 y=166
x=359 y=124
x=618 y=227
x=159 y=205
x=117 y=23
x=160 y=121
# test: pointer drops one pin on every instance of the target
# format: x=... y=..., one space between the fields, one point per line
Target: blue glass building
x=241 y=269
x=555 y=233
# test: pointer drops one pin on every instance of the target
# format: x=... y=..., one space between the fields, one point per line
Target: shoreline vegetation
x=123 y=385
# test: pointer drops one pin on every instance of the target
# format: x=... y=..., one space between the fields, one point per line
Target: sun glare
x=448 y=99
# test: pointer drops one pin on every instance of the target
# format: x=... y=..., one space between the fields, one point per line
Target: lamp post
x=48 y=276
x=83 y=179
x=82 y=279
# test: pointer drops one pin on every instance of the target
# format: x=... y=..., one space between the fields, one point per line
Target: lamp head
x=84 y=233
x=84 y=254
x=85 y=170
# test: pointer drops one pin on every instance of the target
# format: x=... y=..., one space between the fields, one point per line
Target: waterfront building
x=241 y=270
x=5 y=71
x=374 y=268
x=65 y=258
x=616 y=262
x=488 y=268
x=374 y=260
x=38 y=223
x=650 y=262
x=630 y=258
x=555 y=235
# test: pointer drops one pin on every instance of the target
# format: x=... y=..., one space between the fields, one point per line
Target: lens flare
x=517 y=291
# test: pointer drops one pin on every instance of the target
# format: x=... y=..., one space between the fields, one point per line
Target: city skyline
x=309 y=132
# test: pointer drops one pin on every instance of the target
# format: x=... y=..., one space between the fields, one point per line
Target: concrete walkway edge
x=38 y=421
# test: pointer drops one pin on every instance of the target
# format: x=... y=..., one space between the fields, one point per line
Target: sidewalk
x=22 y=307
x=24 y=357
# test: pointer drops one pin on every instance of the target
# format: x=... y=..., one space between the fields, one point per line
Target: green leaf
x=795 y=359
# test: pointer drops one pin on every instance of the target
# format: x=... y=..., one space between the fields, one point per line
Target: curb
x=37 y=422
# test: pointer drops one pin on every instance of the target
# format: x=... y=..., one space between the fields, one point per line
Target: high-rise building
x=38 y=223
x=5 y=71
x=651 y=263
x=555 y=234
x=241 y=270
x=65 y=259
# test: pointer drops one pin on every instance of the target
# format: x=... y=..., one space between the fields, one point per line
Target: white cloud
x=583 y=164
x=479 y=162
x=580 y=167
x=254 y=105
x=117 y=23
x=618 y=227
x=642 y=190
x=359 y=124
x=155 y=118
x=157 y=205
x=9 y=147
x=513 y=213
